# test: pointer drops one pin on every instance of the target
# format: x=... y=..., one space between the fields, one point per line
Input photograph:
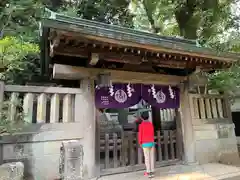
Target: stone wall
x=216 y=143
x=70 y=116
x=39 y=148
x=208 y=129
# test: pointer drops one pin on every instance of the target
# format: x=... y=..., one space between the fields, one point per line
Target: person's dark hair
x=145 y=115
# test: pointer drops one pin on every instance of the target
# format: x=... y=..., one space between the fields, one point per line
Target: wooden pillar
x=122 y=116
x=87 y=112
x=156 y=119
x=187 y=126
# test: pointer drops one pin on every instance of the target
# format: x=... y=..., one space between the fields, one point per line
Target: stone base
x=230 y=158
x=40 y=151
x=13 y=171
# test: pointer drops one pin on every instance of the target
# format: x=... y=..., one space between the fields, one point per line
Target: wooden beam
x=61 y=71
x=130 y=58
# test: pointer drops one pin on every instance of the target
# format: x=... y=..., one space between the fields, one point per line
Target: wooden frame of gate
x=121 y=152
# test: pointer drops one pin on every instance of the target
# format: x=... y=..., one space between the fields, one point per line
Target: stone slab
x=211 y=171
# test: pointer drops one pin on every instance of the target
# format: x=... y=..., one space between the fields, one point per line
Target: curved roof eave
x=129 y=37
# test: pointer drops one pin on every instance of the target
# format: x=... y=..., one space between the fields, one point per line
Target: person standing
x=146 y=140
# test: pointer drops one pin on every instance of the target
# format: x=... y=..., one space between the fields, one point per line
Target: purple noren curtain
x=127 y=95
x=161 y=96
x=119 y=96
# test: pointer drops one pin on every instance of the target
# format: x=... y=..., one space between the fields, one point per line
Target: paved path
x=184 y=172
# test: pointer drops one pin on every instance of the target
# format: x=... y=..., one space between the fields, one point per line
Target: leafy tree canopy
x=107 y=11
x=19 y=59
x=20 y=18
x=192 y=19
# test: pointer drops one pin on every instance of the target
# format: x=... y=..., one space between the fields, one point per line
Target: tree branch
x=184 y=13
x=5 y=25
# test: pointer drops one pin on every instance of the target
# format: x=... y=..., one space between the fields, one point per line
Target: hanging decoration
x=171 y=93
x=153 y=91
x=111 y=90
x=129 y=90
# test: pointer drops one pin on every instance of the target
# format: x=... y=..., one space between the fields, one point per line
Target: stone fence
x=51 y=116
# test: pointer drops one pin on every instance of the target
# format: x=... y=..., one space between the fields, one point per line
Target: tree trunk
x=184 y=15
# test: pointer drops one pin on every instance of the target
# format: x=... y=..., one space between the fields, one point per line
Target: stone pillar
x=87 y=112
x=71 y=160
x=187 y=126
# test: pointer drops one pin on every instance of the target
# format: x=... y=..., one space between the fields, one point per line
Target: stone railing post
x=1 y=106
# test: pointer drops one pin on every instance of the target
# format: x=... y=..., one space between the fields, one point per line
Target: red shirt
x=146 y=132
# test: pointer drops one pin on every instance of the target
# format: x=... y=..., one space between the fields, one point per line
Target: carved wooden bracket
x=94 y=59
x=53 y=44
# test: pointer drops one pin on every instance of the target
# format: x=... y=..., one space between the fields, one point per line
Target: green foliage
x=20 y=18
x=107 y=11
x=19 y=58
x=19 y=53
x=195 y=19
x=227 y=81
